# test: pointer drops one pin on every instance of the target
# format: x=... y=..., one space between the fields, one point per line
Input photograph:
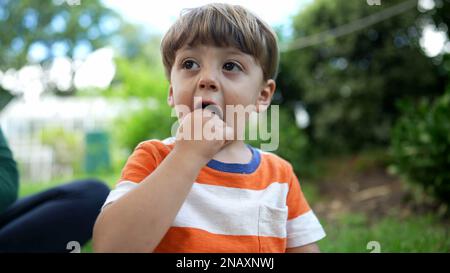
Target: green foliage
x=350 y=84
x=421 y=145
x=293 y=144
x=150 y=118
x=143 y=124
x=135 y=43
x=67 y=146
x=51 y=24
x=138 y=79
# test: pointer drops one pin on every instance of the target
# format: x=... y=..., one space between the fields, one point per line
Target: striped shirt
x=253 y=207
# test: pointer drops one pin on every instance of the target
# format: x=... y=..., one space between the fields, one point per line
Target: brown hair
x=223 y=25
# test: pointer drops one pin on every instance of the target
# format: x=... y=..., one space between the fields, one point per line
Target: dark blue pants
x=48 y=221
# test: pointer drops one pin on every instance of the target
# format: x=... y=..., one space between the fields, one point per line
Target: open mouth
x=211 y=106
x=205 y=104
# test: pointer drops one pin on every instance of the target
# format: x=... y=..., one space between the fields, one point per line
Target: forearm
x=138 y=221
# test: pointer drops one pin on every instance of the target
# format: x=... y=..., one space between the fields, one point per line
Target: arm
x=121 y=226
x=309 y=248
x=9 y=177
x=139 y=220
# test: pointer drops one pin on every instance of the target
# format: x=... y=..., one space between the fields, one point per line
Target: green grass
x=352 y=232
x=87 y=248
x=27 y=188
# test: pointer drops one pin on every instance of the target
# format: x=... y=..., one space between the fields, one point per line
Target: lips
x=210 y=105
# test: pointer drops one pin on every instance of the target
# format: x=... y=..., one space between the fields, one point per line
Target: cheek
x=181 y=92
x=245 y=92
x=241 y=97
x=182 y=98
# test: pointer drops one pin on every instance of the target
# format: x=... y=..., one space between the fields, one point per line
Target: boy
x=210 y=194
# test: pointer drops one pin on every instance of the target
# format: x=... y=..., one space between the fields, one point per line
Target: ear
x=170 y=100
x=265 y=96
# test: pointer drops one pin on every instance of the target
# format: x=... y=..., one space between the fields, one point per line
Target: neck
x=235 y=152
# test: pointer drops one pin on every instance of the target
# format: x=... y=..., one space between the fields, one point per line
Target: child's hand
x=202 y=133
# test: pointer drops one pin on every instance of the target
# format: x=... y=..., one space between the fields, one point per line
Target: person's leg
x=47 y=221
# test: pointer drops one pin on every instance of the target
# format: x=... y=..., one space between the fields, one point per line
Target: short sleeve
x=142 y=162
x=303 y=227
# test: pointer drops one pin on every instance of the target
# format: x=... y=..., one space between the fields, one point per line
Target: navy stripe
x=238 y=167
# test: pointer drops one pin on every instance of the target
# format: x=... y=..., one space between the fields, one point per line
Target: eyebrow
x=227 y=50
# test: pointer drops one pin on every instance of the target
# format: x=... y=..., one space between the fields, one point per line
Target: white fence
x=23 y=122
x=36 y=161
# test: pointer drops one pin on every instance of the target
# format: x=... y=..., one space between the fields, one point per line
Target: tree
x=51 y=27
x=140 y=78
x=351 y=84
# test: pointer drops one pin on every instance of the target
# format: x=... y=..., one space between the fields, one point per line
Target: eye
x=189 y=64
x=230 y=66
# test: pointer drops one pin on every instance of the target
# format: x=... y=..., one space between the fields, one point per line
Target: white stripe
x=169 y=140
x=234 y=211
x=120 y=190
x=303 y=230
x=228 y=211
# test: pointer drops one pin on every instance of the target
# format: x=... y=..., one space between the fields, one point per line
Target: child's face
x=224 y=76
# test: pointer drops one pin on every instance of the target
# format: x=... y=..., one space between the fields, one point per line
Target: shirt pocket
x=272 y=228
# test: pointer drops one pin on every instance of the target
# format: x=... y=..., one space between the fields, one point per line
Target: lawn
x=358 y=201
x=353 y=232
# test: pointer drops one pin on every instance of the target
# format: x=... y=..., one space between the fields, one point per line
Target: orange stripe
x=193 y=240
x=150 y=154
x=269 y=171
x=295 y=200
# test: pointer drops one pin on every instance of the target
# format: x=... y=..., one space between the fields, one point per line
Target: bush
x=349 y=85
x=293 y=144
x=143 y=124
x=67 y=147
x=142 y=83
x=421 y=145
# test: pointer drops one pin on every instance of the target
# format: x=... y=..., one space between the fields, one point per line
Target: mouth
x=211 y=106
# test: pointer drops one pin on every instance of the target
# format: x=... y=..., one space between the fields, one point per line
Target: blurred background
x=363 y=91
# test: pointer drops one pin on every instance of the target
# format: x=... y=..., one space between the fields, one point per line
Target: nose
x=208 y=84
x=208 y=81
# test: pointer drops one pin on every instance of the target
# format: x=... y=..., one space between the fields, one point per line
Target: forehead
x=219 y=51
